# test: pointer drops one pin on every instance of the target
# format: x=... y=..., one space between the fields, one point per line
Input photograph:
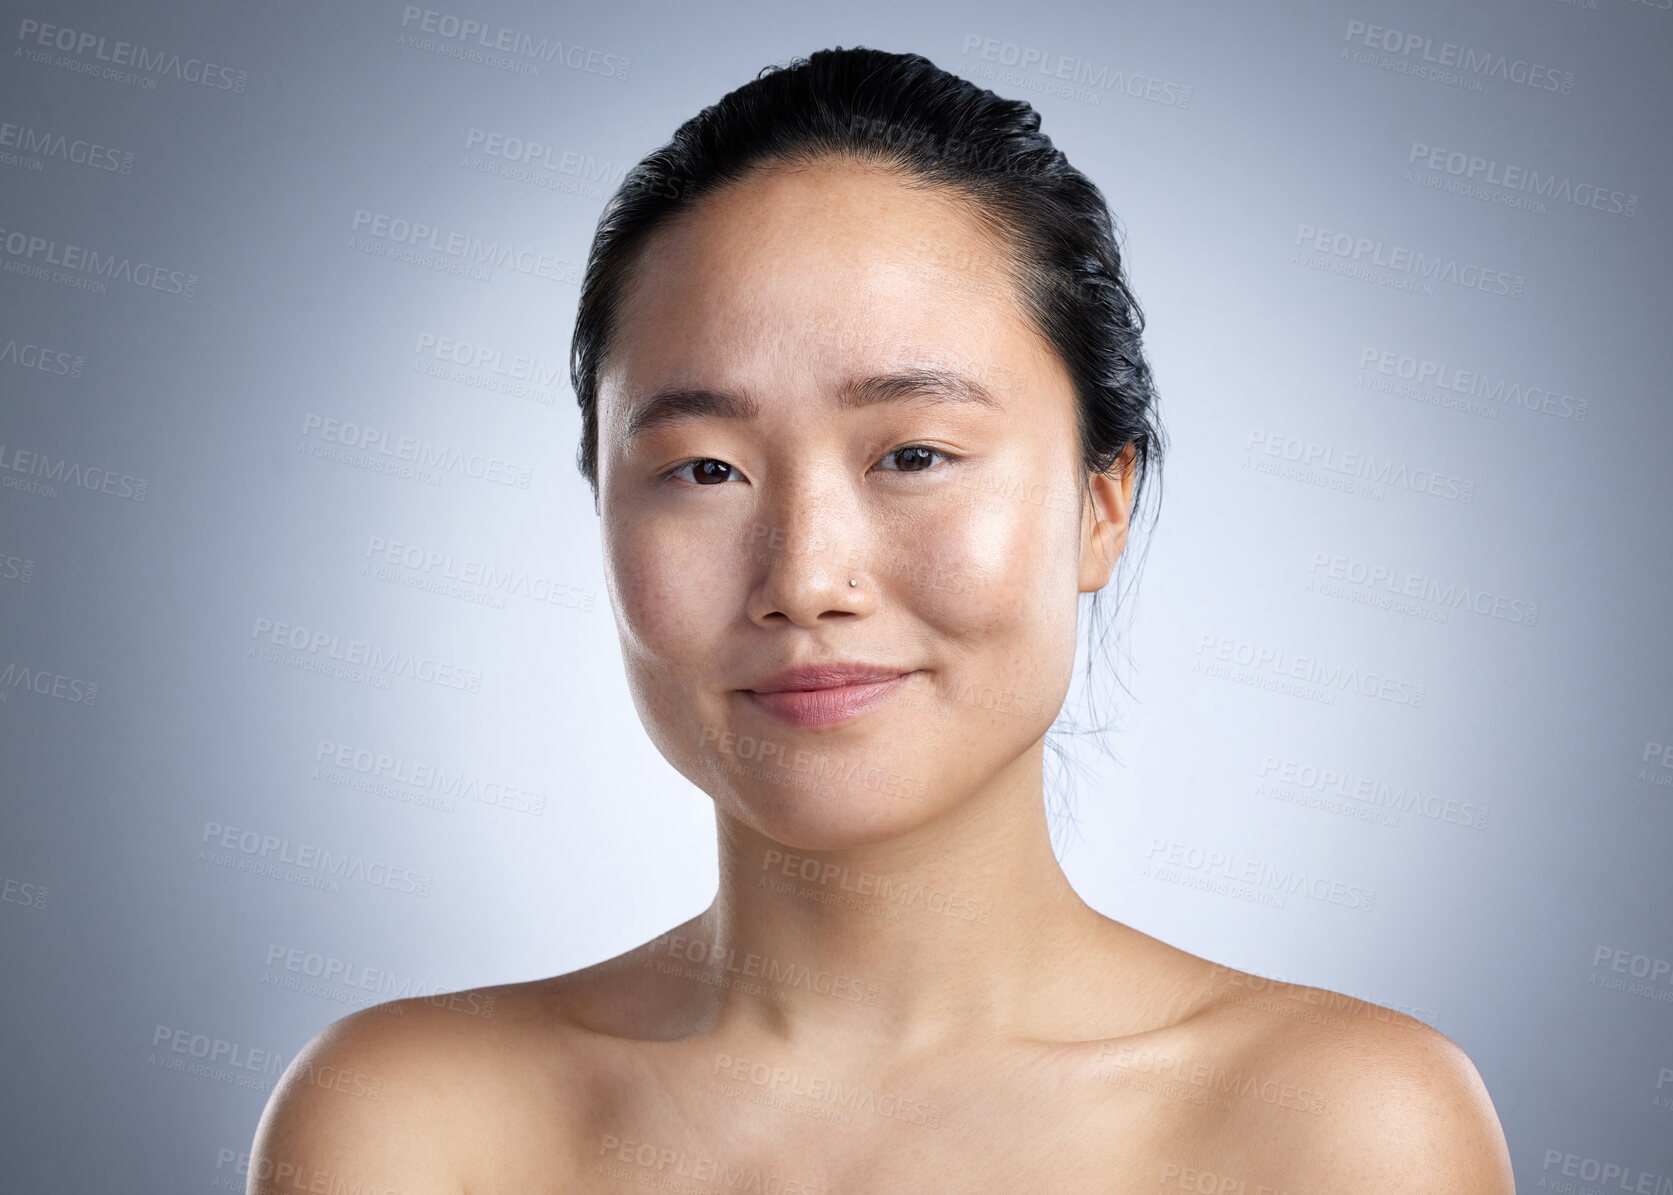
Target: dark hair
x=903 y=112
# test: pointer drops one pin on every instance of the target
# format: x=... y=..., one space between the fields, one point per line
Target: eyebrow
x=677 y=404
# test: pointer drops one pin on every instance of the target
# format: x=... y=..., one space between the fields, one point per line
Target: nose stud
x=852 y=582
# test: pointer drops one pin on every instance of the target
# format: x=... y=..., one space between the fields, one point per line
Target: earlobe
x=1104 y=530
x=1100 y=549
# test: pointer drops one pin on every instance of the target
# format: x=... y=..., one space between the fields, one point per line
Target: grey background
x=132 y=939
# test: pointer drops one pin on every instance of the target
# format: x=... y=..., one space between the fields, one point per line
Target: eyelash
x=946 y=456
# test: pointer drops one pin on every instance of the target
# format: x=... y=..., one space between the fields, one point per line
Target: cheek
x=995 y=570
x=668 y=585
x=995 y=582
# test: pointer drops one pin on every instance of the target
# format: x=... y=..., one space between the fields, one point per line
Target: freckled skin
x=895 y=988
x=977 y=594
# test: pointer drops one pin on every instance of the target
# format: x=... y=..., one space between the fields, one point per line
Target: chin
x=807 y=812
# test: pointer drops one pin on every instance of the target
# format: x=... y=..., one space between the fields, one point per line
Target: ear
x=1105 y=520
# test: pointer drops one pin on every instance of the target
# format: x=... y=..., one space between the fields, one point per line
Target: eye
x=913 y=458
x=705 y=471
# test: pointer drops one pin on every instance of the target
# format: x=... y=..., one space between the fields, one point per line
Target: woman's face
x=823 y=374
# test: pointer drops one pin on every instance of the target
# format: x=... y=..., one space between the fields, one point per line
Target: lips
x=825 y=694
x=825 y=676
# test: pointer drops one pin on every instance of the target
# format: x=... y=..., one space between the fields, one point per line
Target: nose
x=804 y=553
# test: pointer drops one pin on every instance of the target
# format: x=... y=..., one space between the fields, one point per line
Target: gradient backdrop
x=1403 y=626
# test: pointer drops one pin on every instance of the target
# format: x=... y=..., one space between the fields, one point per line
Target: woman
x=865 y=412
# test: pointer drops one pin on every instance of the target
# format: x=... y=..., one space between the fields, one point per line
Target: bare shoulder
x=382 y=1100
x=422 y=1095
x=1389 y=1103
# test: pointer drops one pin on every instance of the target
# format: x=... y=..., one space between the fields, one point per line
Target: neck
x=958 y=927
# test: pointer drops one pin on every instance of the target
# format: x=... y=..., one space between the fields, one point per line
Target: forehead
x=816 y=273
